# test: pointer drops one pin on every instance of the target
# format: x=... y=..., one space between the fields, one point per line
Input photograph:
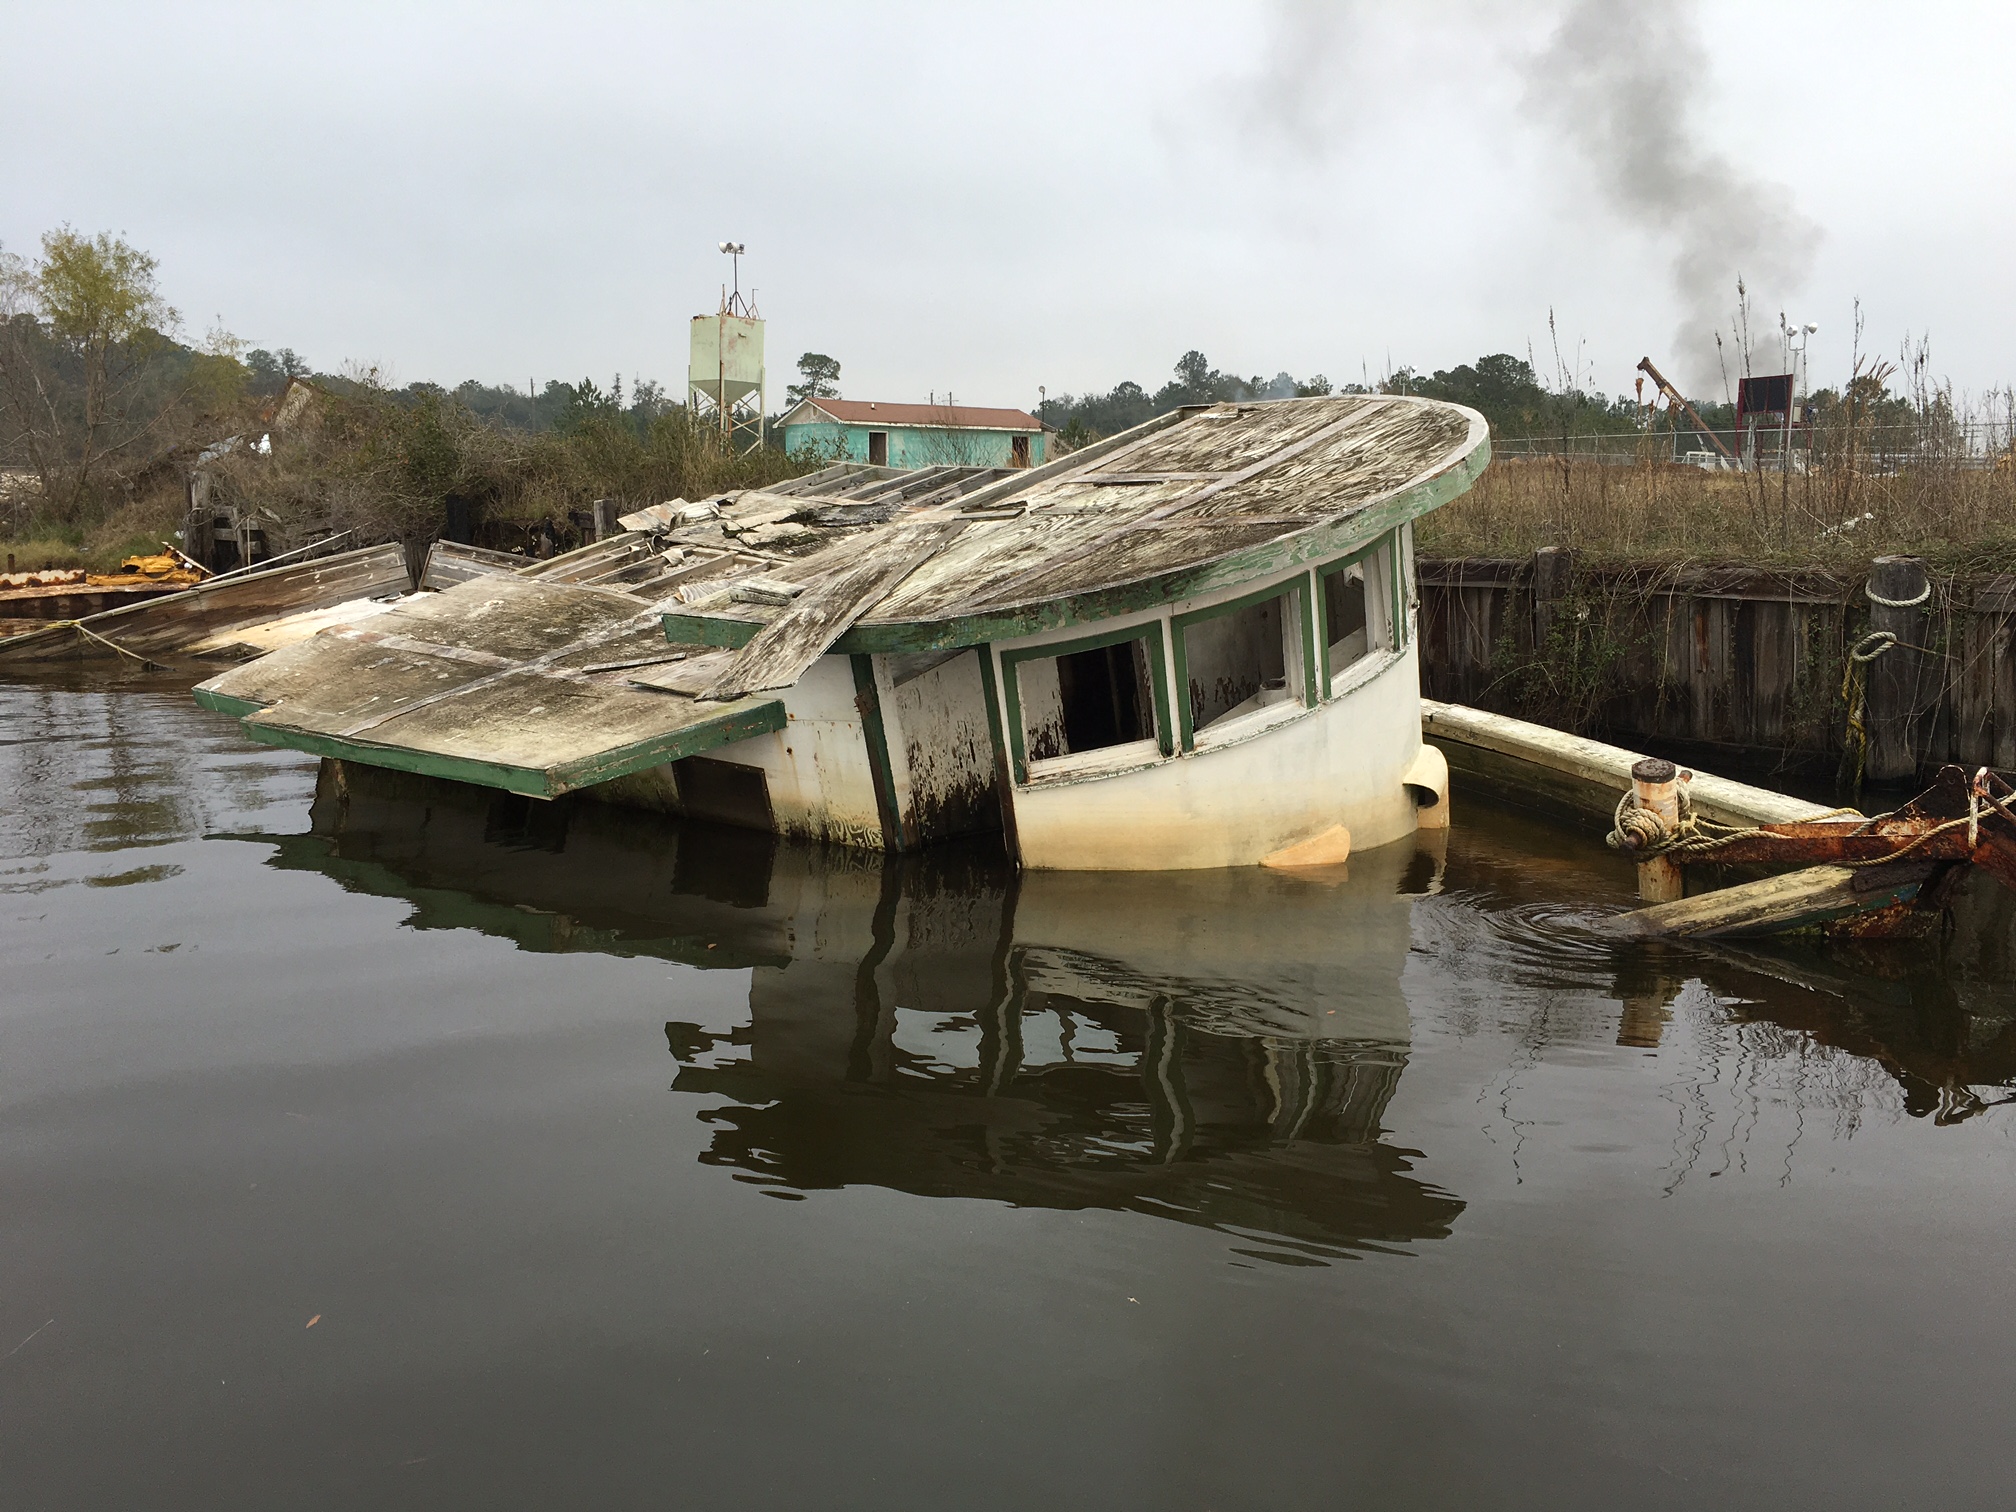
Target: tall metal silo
x=724 y=366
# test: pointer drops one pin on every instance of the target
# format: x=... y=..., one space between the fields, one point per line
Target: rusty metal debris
x=1864 y=877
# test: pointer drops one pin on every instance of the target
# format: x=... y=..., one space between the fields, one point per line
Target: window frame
x=1011 y=679
x=1396 y=623
x=1298 y=588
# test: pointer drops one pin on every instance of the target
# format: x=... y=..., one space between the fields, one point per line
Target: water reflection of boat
x=1213 y=1047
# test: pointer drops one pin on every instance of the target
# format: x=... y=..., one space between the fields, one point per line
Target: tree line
x=105 y=405
x=105 y=408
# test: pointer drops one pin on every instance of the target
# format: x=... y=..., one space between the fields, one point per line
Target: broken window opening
x=1018 y=450
x=878 y=448
x=1357 y=615
x=1240 y=662
x=1087 y=700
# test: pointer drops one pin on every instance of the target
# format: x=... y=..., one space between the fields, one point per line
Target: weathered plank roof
x=1185 y=503
x=510 y=683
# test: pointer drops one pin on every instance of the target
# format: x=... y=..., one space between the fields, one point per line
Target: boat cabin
x=1189 y=646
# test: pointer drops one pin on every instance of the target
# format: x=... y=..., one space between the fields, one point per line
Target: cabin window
x=878 y=448
x=1099 y=697
x=1358 y=616
x=1018 y=449
x=1241 y=659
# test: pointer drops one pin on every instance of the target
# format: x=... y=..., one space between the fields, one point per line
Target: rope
x=145 y=664
x=1637 y=831
x=1876 y=598
x=1855 y=694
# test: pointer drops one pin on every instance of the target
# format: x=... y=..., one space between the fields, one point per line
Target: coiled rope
x=1639 y=833
x=1923 y=595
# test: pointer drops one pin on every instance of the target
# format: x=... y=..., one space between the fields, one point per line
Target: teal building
x=913 y=435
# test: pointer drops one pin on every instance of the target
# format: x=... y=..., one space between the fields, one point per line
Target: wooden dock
x=1576 y=778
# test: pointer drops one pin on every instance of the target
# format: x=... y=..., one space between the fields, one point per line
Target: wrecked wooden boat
x=1189 y=646
x=238 y=615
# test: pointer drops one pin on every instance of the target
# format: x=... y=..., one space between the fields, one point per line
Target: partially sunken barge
x=1190 y=646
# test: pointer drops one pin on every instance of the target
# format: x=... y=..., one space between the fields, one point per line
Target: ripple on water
x=1544 y=943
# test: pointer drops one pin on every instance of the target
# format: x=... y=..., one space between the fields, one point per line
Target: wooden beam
x=1797 y=902
x=1561 y=764
x=778 y=654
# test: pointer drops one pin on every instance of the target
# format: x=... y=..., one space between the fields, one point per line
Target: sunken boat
x=1192 y=645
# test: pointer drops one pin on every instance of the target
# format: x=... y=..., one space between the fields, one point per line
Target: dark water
x=627 y=1166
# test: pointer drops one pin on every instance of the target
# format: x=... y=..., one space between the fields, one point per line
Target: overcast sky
x=982 y=198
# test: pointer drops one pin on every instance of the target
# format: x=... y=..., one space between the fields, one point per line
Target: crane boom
x=1673 y=397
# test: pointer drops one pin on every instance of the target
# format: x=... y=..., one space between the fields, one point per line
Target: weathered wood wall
x=1741 y=659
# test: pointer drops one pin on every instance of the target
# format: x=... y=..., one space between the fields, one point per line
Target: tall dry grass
x=1950 y=509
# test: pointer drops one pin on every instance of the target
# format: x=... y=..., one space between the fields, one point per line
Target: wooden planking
x=499 y=622
x=1277 y=555
x=1330 y=478
x=1392 y=445
x=575 y=731
x=44 y=604
x=690 y=676
x=778 y=654
x=1075 y=551
x=1226 y=438
x=712 y=725
x=510 y=683
x=1737 y=657
x=451 y=562
x=164 y=626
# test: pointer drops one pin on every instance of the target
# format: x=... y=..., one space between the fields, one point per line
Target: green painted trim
x=990 y=688
x=224 y=703
x=1312 y=695
x=1158 y=675
x=534 y=782
x=735 y=724
x=1395 y=592
x=1297 y=587
x=709 y=630
x=868 y=699
x=1004 y=772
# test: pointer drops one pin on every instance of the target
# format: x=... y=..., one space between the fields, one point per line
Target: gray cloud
x=1619 y=81
x=1295 y=99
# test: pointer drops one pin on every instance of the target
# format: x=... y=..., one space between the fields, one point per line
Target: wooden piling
x=1553 y=571
x=1900 y=600
x=1656 y=784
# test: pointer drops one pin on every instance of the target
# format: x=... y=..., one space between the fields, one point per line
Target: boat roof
x=1201 y=499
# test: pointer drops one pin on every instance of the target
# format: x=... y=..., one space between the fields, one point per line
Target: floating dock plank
x=498 y=681
x=1562 y=771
